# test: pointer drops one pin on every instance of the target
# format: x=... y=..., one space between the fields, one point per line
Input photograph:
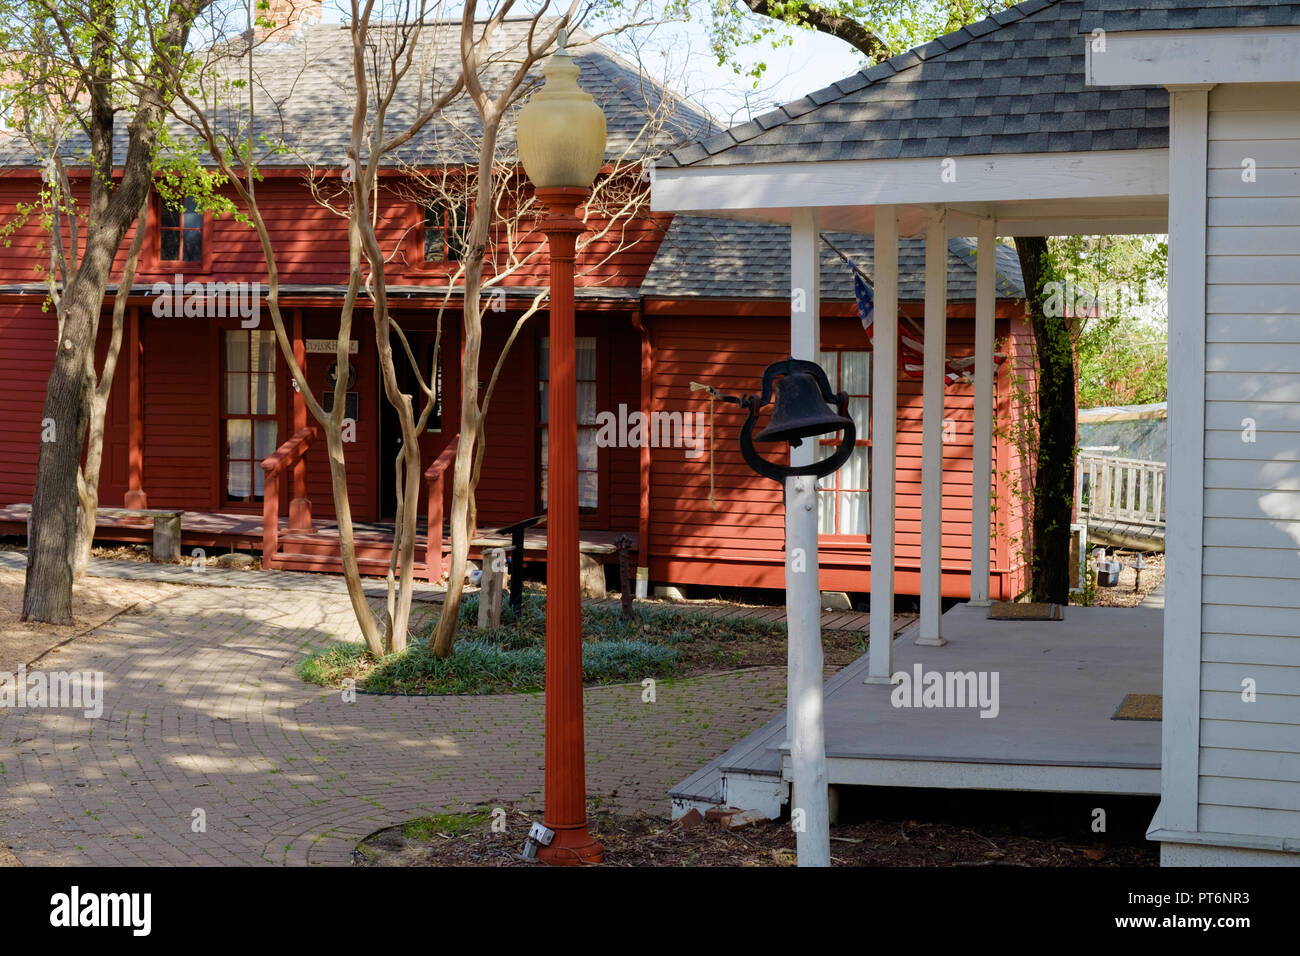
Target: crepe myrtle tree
x=223 y=107
x=513 y=245
x=72 y=70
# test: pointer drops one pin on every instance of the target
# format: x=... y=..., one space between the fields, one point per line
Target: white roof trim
x=1182 y=57
x=769 y=191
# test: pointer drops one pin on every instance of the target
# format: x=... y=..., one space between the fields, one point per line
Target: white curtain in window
x=849 y=372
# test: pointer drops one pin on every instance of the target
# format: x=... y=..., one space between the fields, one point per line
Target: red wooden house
x=200 y=400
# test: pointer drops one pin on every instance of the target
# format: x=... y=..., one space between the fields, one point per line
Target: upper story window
x=445 y=224
x=180 y=231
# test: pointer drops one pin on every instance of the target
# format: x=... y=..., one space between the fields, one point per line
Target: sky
x=677 y=54
x=808 y=62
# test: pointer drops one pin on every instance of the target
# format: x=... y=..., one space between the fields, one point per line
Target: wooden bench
x=166 y=527
x=511 y=539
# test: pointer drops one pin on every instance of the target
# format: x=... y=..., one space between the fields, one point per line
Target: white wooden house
x=1082 y=117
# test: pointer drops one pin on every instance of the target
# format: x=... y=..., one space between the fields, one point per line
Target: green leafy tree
x=72 y=69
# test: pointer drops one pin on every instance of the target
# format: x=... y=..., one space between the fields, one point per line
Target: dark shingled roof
x=1013 y=83
x=726 y=258
x=1118 y=15
x=310 y=81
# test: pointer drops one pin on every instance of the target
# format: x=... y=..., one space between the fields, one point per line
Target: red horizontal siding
x=742 y=541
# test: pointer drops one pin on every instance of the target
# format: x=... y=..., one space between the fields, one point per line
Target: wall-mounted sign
x=329 y=346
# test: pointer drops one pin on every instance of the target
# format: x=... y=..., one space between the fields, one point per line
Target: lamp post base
x=572 y=847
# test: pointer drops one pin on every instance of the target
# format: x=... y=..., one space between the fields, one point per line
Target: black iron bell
x=799 y=411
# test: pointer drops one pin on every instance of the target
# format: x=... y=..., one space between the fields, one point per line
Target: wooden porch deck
x=1060 y=684
x=316 y=551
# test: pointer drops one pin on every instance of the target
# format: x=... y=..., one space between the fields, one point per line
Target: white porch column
x=805 y=302
x=933 y=389
x=1185 y=494
x=982 y=458
x=884 y=422
x=804 y=696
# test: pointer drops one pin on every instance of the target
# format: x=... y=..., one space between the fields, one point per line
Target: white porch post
x=884 y=415
x=804 y=717
x=1185 y=493
x=932 y=387
x=982 y=458
x=805 y=302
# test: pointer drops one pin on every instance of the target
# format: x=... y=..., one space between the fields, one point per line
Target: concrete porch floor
x=1059 y=685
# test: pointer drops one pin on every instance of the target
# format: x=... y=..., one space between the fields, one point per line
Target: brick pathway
x=203 y=712
x=212 y=576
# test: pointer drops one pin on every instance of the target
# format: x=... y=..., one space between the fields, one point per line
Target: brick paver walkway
x=202 y=712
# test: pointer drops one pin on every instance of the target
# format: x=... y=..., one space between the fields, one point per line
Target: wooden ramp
x=1059 y=685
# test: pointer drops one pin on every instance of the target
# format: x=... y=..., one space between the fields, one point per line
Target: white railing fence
x=1119 y=489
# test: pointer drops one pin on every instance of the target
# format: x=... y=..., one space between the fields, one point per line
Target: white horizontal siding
x=1268 y=679
x=1250 y=574
x=1236 y=791
x=1251 y=621
x=1252 y=474
x=1246 y=735
x=1250 y=820
x=1254 y=328
x=1254 y=764
x=1246 y=649
x=1244 y=421
x=1264 y=709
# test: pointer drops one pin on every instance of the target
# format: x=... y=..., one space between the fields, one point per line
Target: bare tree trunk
x=347 y=542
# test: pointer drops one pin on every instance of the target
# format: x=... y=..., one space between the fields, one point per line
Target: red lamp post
x=561 y=138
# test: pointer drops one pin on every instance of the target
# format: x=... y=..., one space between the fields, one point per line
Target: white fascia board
x=1190 y=57
x=969 y=179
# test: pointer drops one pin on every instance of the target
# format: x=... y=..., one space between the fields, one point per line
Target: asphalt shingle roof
x=1013 y=83
x=1119 y=15
x=702 y=257
x=306 y=91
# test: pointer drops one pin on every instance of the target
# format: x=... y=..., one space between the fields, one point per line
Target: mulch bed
x=1050 y=837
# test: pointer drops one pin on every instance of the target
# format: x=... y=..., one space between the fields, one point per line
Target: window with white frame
x=588 y=453
x=844 y=499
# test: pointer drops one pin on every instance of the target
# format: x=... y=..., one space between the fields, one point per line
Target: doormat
x=1015 y=611
x=1139 y=707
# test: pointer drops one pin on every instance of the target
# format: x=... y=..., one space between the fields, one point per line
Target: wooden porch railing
x=434 y=481
x=285 y=457
x=1120 y=489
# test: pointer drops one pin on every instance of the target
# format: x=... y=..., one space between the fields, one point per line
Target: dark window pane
x=193 y=215
x=193 y=245
x=169 y=217
x=170 y=244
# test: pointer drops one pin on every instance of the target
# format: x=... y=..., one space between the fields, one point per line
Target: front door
x=390 y=432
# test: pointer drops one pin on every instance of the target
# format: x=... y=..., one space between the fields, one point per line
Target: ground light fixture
x=561 y=137
x=800 y=394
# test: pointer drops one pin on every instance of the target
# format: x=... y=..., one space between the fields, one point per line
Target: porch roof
x=704 y=257
x=1013 y=83
x=1118 y=15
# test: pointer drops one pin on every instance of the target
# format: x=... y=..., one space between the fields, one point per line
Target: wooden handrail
x=1120 y=489
x=284 y=458
x=433 y=476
